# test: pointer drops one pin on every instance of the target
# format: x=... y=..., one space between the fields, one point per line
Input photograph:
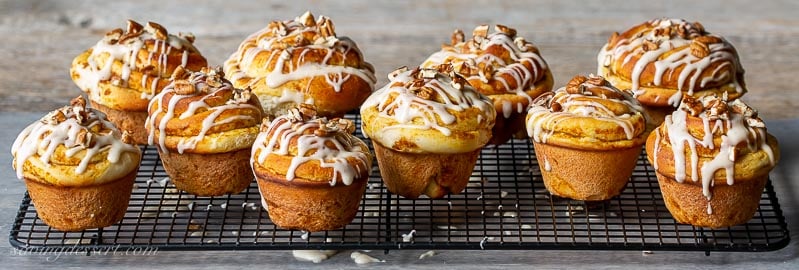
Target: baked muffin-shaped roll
x=311 y=172
x=204 y=129
x=506 y=68
x=587 y=138
x=124 y=70
x=712 y=157
x=427 y=127
x=302 y=61
x=78 y=167
x=663 y=60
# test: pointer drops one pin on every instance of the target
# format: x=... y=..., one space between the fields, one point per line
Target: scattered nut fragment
x=84 y=138
x=699 y=27
x=345 y=125
x=663 y=32
x=180 y=73
x=307 y=19
x=457 y=37
x=649 y=45
x=716 y=108
x=596 y=80
x=188 y=36
x=699 y=49
x=425 y=93
x=54 y=117
x=112 y=37
x=614 y=38
x=126 y=137
x=327 y=129
x=521 y=43
x=505 y=30
x=575 y=85
x=326 y=27
x=458 y=82
x=78 y=102
x=158 y=31
x=692 y=105
x=281 y=29
x=308 y=111
x=184 y=87
x=294 y=115
x=555 y=106
x=708 y=39
x=480 y=32
x=133 y=27
x=429 y=73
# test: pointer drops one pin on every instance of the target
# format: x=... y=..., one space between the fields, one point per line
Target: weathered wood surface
x=40 y=38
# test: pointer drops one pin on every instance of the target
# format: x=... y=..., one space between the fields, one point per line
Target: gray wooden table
x=40 y=38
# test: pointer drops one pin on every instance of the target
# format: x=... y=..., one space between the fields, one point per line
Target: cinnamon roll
x=124 y=70
x=505 y=67
x=587 y=138
x=663 y=60
x=712 y=157
x=302 y=61
x=311 y=172
x=78 y=167
x=427 y=127
x=204 y=129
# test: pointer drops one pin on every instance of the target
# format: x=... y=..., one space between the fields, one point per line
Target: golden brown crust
x=731 y=204
x=586 y=175
x=662 y=59
x=411 y=175
x=309 y=205
x=302 y=61
x=209 y=174
x=80 y=208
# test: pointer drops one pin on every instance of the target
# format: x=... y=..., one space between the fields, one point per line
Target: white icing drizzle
x=692 y=67
x=46 y=135
x=127 y=53
x=315 y=256
x=360 y=258
x=472 y=54
x=407 y=106
x=733 y=128
x=279 y=41
x=238 y=101
x=543 y=121
x=331 y=152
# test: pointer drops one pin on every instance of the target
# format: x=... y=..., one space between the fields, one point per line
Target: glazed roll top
x=201 y=112
x=74 y=146
x=301 y=145
x=713 y=140
x=660 y=60
x=302 y=61
x=588 y=113
x=505 y=67
x=428 y=111
x=128 y=67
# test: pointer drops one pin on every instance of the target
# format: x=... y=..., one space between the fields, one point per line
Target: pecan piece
x=112 y=37
x=596 y=80
x=663 y=32
x=555 y=106
x=614 y=38
x=183 y=87
x=158 y=31
x=505 y=30
x=327 y=129
x=649 y=45
x=307 y=111
x=699 y=49
x=326 y=27
x=708 y=39
x=180 y=73
x=457 y=37
x=345 y=125
x=692 y=105
x=133 y=27
x=480 y=33
x=307 y=19
x=575 y=85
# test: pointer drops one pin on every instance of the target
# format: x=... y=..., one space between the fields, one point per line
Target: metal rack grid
x=505 y=206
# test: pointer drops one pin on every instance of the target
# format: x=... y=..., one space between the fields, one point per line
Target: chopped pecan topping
x=78 y=102
x=308 y=111
x=699 y=49
x=555 y=106
x=326 y=27
x=127 y=138
x=425 y=93
x=327 y=129
x=184 y=87
x=505 y=30
x=158 y=31
x=596 y=80
x=649 y=45
x=457 y=37
x=575 y=85
x=134 y=27
x=480 y=33
x=663 y=32
x=692 y=105
x=112 y=37
x=180 y=73
x=307 y=19
x=717 y=108
x=84 y=138
x=708 y=39
x=699 y=27
x=188 y=36
x=614 y=38
x=345 y=125
x=54 y=117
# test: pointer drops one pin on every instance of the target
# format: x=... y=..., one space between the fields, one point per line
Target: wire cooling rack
x=505 y=206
